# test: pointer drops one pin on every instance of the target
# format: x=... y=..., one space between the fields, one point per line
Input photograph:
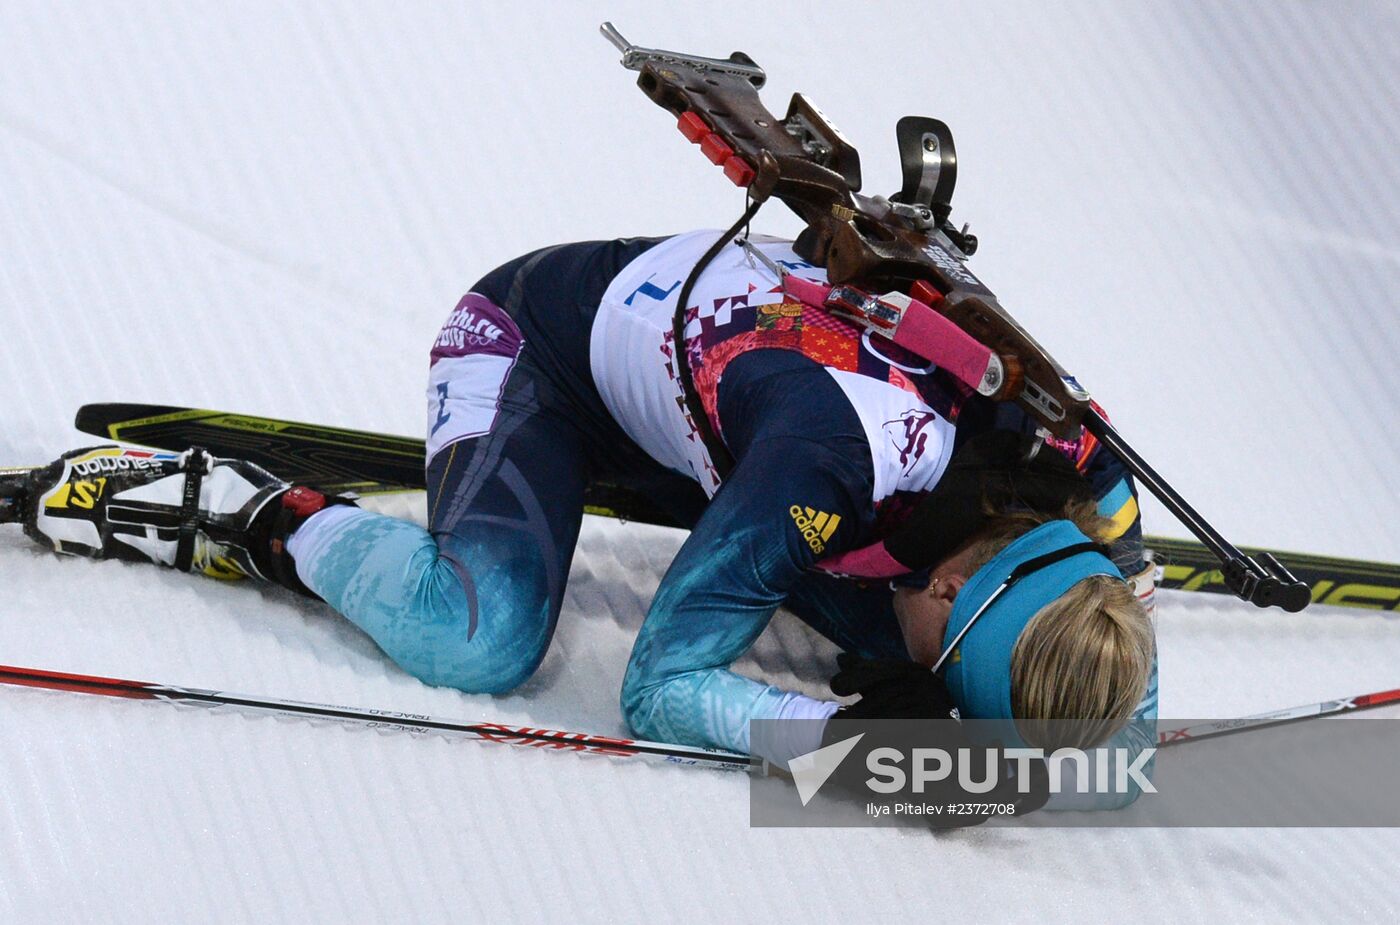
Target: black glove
x=891 y=689
x=895 y=689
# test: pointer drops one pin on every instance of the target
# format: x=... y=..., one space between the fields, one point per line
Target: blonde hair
x=1082 y=663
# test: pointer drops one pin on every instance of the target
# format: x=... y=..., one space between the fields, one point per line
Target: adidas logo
x=816 y=526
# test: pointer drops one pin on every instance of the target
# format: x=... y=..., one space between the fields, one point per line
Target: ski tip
x=104 y=419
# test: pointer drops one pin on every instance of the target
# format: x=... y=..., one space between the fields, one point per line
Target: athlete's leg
x=472 y=602
x=516 y=428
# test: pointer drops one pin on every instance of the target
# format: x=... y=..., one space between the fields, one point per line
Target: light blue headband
x=977 y=645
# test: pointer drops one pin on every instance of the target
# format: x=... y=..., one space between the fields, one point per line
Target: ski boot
x=226 y=518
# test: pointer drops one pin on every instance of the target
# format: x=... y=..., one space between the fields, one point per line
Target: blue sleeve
x=790 y=501
x=801 y=490
x=1116 y=494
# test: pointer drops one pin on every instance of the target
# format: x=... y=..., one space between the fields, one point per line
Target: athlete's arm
x=752 y=544
x=802 y=490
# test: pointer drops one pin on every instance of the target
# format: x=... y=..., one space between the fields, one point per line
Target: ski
x=332 y=459
x=341 y=460
x=1184 y=565
x=328 y=458
x=382 y=720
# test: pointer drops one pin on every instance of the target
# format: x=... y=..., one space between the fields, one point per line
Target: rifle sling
x=720 y=456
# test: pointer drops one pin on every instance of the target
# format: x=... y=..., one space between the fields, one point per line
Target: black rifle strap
x=719 y=453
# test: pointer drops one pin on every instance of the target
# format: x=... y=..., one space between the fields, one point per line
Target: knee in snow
x=636 y=700
x=473 y=675
x=489 y=642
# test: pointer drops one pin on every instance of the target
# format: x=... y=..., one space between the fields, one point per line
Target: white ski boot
x=226 y=518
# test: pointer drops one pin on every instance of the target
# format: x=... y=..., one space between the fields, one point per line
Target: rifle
x=897 y=265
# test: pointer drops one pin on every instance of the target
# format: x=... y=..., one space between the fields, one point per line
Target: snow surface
x=271 y=207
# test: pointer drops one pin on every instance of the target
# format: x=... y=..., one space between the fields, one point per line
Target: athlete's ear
x=946 y=588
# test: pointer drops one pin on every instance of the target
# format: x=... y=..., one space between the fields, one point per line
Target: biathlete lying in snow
x=559 y=368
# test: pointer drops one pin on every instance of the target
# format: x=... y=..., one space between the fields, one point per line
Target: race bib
x=471 y=360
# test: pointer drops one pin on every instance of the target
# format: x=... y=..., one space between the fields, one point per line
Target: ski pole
x=385 y=720
x=557 y=740
x=1276 y=717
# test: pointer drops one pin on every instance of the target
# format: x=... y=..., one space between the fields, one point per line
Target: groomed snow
x=270 y=208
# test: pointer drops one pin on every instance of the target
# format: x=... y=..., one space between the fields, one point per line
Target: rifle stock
x=807 y=163
x=906 y=244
